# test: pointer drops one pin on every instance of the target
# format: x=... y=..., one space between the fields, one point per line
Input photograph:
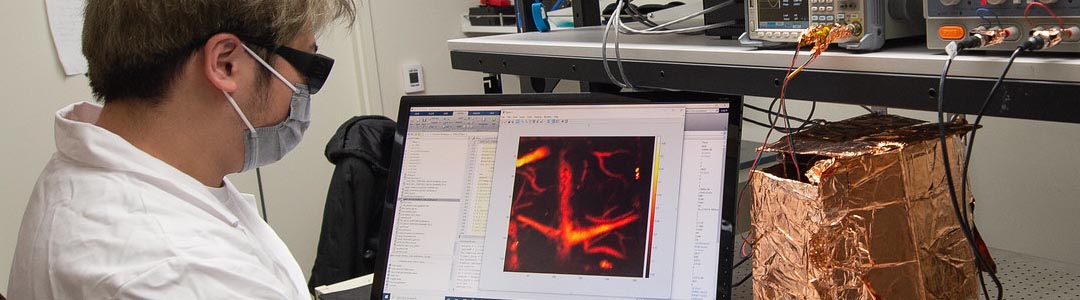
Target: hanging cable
x=615 y=21
x=262 y=196
x=744 y=279
x=603 y=47
x=970 y=148
x=618 y=54
x=982 y=262
x=783 y=109
x=978 y=120
x=757 y=157
x=820 y=36
x=773 y=115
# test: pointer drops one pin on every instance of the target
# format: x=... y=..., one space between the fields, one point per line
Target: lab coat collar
x=79 y=139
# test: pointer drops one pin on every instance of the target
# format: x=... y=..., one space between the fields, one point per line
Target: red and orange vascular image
x=582 y=206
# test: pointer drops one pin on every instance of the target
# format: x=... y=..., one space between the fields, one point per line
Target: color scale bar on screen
x=652 y=208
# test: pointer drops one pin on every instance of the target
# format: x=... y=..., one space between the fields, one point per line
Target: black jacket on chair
x=361 y=151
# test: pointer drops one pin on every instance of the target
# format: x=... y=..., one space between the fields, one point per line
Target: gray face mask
x=267 y=145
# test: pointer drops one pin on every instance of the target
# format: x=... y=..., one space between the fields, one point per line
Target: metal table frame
x=904 y=75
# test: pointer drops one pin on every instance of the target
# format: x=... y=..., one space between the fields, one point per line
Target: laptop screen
x=542 y=199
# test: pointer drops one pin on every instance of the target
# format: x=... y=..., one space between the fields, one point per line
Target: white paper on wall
x=66 y=24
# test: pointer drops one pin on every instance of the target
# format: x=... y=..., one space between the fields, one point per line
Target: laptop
x=562 y=196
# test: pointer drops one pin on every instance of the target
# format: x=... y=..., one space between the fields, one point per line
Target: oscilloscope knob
x=1048 y=1
x=995 y=2
x=950 y=2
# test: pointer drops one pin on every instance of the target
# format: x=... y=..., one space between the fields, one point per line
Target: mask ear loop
x=268 y=67
x=237 y=109
x=251 y=129
x=232 y=101
x=255 y=145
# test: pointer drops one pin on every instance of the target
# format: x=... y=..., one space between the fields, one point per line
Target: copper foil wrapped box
x=869 y=219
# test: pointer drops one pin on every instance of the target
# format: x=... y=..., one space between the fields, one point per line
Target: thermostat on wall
x=414 y=78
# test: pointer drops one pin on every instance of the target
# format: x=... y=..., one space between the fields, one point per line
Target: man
x=135 y=204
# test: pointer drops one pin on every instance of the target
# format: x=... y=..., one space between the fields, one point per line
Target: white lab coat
x=108 y=221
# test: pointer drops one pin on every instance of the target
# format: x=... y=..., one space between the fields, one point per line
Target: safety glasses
x=315 y=67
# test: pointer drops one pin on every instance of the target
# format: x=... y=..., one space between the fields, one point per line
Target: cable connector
x=969 y=42
x=952 y=49
x=855 y=28
x=983 y=37
x=1072 y=34
x=1042 y=39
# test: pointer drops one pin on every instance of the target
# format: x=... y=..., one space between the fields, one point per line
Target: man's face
x=272 y=97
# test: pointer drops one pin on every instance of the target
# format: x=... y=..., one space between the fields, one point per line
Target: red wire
x=1048 y=10
x=787 y=121
x=742 y=249
x=753 y=166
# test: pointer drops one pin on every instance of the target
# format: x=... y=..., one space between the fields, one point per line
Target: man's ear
x=221 y=55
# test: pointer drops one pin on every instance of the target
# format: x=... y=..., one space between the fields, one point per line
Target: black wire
x=978 y=119
x=982 y=282
x=813 y=107
x=744 y=259
x=262 y=197
x=802 y=127
x=744 y=279
x=980 y=261
x=971 y=145
x=771 y=113
x=775 y=114
x=948 y=169
x=867 y=108
x=780 y=129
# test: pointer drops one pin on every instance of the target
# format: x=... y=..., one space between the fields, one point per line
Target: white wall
x=416 y=31
x=34 y=88
x=1024 y=177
